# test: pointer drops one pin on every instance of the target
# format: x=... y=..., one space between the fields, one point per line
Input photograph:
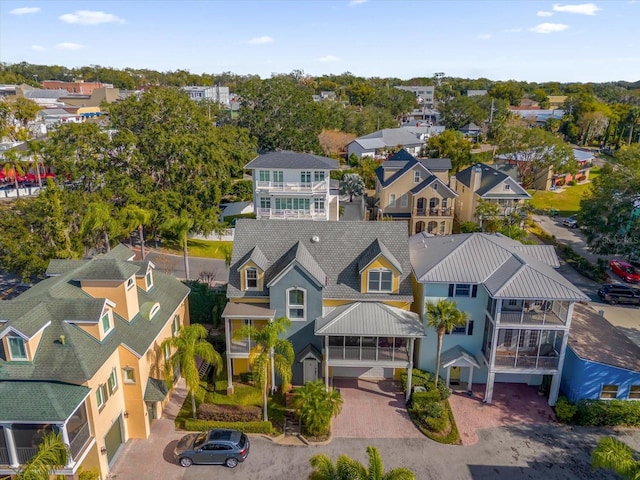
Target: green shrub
x=229 y=413
x=425 y=397
x=444 y=390
x=434 y=410
x=436 y=424
x=609 y=413
x=246 y=427
x=246 y=377
x=572 y=183
x=419 y=378
x=565 y=411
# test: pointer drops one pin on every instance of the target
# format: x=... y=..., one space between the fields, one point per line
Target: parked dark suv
x=215 y=447
x=619 y=294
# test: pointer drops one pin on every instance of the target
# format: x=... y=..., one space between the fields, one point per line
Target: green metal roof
x=156 y=390
x=41 y=402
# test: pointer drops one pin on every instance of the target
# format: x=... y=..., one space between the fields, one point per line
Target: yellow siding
x=126 y=300
x=137 y=423
x=260 y=275
x=397 y=372
x=240 y=365
x=250 y=300
x=93 y=329
x=32 y=345
x=336 y=303
x=379 y=262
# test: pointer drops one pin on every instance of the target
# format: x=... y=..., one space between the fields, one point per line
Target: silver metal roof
x=371 y=319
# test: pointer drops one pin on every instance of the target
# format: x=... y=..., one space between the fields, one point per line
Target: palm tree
x=612 y=454
x=52 y=454
x=99 y=219
x=270 y=355
x=348 y=469
x=12 y=169
x=316 y=406
x=352 y=184
x=180 y=227
x=134 y=217
x=444 y=316
x=488 y=213
x=189 y=344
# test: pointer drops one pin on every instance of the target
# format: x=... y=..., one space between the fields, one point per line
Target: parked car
x=625 y=271
x=570 y=222
x=214 y=447
x=619 y=294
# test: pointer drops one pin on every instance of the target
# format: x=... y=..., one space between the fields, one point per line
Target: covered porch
x=370 y=337
x=455 y=359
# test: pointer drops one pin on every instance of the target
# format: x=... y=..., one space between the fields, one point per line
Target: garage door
x=362 y=372
x=113 y=440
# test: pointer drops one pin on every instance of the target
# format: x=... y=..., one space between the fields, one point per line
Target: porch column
x=470 y=378
x=65 y=438
x=555 y=383
x=326 y=362
x=227 y=338
x=409 y=370
x=488 y=393
x=11 y=446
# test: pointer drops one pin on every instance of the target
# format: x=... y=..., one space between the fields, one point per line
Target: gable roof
x=372 y=252
x=496 y=261
x=297 y=255
x=42 y=402
x=389 y=137
x=330 y=248
x=256 y=256
x=490 y=179
x=371 y=319
x=286 y=159
x=447 y=193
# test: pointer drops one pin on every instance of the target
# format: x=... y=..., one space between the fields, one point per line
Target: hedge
x=246 y=427
x=229 y=413
x=607 y=413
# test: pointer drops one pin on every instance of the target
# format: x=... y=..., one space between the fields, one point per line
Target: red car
x=625 y=271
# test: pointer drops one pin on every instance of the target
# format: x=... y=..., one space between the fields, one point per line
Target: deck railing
x=321 y=186
x=368 y=354
x=526 y=361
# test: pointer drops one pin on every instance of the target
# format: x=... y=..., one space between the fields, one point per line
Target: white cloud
x=580 y=9
x=542 y=13
x=354 y=3
x=90 y=17
x=329 y=58
x=69 y=46
x=485 y=36
x=260 y=40
x=37 y=48
x=24 y=10
x=512 y=30
x=549 y=28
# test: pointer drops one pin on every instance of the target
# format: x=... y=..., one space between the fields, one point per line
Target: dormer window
x=17 y=348
x=251 y=279
x=130 y=283
x=149 y=279
x=106 y=323
x=154 y=310
x=380 y=280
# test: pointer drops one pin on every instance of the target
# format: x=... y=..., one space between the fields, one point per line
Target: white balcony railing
x=292 y=214
x=321 y=186
x=368 y=354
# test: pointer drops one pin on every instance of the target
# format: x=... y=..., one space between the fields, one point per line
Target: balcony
x=292 y=214
x=293 y=187
x=535 y=313
x=433 y=212
x=525 y=361
x=4 y=456
x=241 y=348
x=369 y=354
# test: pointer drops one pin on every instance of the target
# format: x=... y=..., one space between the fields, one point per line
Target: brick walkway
x=513 y=404
x=372 y=409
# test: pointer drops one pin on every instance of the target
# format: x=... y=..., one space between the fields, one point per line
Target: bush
x=229 y=413
x=246 y=427
x=434 y=410
x=572 y=183
x=565 y=411
x=246 y=377
x=436 y=424
x=425 y=397
x=607 y=413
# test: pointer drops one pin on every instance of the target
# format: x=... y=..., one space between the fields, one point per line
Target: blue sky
x=500 y=40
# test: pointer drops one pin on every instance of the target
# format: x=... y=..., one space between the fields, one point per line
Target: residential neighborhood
x=342 y=275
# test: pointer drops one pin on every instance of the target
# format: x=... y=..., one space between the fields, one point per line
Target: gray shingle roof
x=370 y=319
x=490 y=179
x=105 y=269
x=298 y=254
x=450 y=356
x=156 y=390
x=446 y=192
x=337 y=251
x=256 y=256
x=373 y=251
x=286 y=160
x=436 y=164
x=497 y=262
x=43 y=402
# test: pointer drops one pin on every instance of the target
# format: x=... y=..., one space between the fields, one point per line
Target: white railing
x=321 y=186
x=291 y=214
x=368 y=354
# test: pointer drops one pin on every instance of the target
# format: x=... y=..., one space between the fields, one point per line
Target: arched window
x=432 y=227
x=296 y=304
x=443 y=226
x=419 y=227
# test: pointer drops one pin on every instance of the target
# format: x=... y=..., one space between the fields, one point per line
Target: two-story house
x=289 y=185
x=482 y=182
x=345 y=286
x=379 y=144
x=416 y=191
x=80 y=355
x=519 y=307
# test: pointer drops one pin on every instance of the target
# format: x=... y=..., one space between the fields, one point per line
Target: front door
x=454 y=375
x=310 y=373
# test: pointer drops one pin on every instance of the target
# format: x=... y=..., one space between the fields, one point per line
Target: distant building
x=424 y=94
x=381 y=142
x=217 y=94
x=476 y=93
x=83 y=88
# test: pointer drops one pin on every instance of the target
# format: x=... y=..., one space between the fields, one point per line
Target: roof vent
x=315 y=239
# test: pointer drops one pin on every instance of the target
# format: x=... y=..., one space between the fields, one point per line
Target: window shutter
x=451 y=289
x=470 y=328
x=474 y=291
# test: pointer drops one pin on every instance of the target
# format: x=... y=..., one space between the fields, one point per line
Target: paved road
x=174 y=264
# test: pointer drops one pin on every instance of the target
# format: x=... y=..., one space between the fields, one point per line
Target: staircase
x=203 y=370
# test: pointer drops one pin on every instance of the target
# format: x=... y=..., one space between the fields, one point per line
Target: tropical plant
x=352 y=185
x=316 y=405
x=444 y=316
x=488 y=213
x=189 y=344
x=612 y=454
x=347 y=468
x=135 y=217
x=52 y=454
x=270 y=355
x=99 y=219
x=180 y=227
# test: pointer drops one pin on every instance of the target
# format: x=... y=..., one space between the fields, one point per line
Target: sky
x=535 y=41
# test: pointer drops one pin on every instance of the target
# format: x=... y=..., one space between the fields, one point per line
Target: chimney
x=476 y=177
x=453 y=182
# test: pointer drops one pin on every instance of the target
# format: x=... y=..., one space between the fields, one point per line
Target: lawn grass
x=201 y=248
x=567 y=202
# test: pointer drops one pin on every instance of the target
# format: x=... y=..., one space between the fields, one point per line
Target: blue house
x=601 y=362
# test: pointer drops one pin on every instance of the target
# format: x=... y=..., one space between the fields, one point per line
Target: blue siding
x=583 y=379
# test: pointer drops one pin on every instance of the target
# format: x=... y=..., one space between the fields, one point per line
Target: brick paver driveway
x=372 y=409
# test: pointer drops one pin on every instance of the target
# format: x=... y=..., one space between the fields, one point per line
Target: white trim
x=11 y=328
x=287 y=269
x=246 y=278
x=297 y=306
x=24 y=347
x=154 y=310
x=380 y=271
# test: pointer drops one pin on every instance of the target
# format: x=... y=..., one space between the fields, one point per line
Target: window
x=443 y=228
x=318 y=176
x=462 y=290
x=176 y=325
x=106 y=323
x=534 y=337
x=404 y=200
x=507 y=187
x=416 y=176
x=305 y=177
x=293 y=203
x=167 y=351
x=278 y=176
x=609 y=391
x=130 y=284
x=149 y=280
x=101 y=395
x=380 y=280
x=129 y=375
x=265 y=202
x=445 y=202
x=512 y=302
x=507 y=340
x=392 y=200
x=155 y=309
x=112 y=382
x=296 y=304
x=634 y=392
x=318 y=204
x=435 y=187
x=251 y=279
x=264 y=175
x=17 y=348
